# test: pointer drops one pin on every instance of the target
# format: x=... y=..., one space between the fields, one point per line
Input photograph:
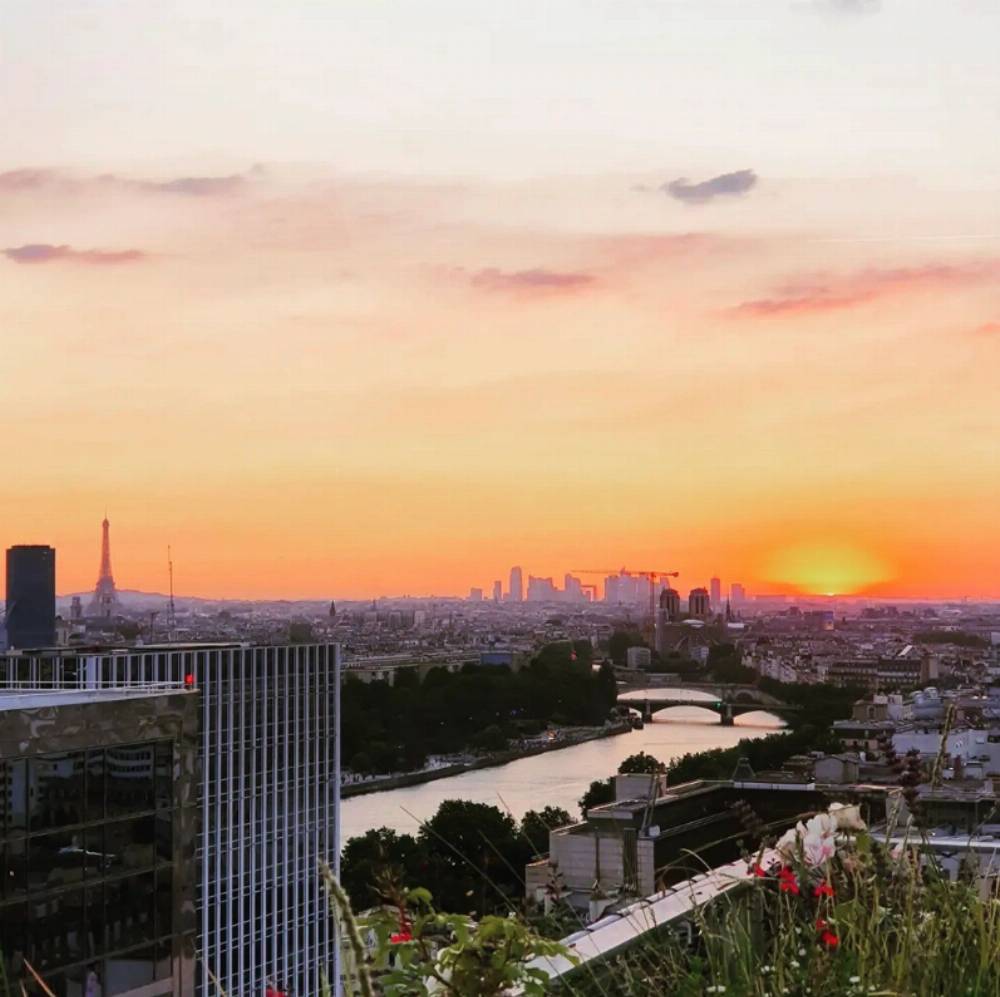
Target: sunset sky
x=364 y=297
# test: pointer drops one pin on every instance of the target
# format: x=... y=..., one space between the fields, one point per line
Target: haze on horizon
x=367 y=297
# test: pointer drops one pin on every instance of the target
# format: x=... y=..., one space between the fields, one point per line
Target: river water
x=556 y=778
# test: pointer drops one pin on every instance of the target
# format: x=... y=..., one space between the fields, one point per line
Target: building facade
x=269 y=755
x=99 y=799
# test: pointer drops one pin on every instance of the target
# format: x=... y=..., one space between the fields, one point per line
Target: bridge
x=729 y=701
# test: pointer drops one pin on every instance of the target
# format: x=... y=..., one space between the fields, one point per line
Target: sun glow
x=827 y=568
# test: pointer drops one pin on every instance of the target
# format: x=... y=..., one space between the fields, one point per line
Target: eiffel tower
x=105 y=599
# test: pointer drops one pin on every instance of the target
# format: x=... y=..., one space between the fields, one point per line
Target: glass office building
x=270 y=789
x=96 y=826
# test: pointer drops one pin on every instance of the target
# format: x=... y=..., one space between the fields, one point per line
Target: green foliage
x=377 y=855
x=619 y=643
x=864 y=922
x=422 y=952
x=476 y=857
x=536 y=824
x=600 y=791
x=640 y=763
x=491 y=739
x=394 y=728
x=725 y=664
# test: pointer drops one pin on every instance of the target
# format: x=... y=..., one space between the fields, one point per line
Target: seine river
x=557 y=778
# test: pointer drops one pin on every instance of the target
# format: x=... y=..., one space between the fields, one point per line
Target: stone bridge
x=729 y=701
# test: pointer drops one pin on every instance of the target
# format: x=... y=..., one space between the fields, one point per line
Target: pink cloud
x=834 y=293
x=45 y=253
x=29 y=179
x=531 y=280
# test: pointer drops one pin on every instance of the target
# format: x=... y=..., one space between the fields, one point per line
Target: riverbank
x=573 y=737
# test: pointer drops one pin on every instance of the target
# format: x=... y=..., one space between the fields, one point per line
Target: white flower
x=823 y=824
x=854 y=979
x=818 y=848
x=847 y=817
x=788 y=844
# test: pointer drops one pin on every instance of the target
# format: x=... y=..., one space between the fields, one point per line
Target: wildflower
x=788 y=844
x=719 y=989
x=829 y=939
x=757 y=871
x=788 y=881
x=847 y=817
x=818 y=846
x=854 y=979
x=822 y=824
x=823 y=890
x=820 y=924
x=400 y=937
x=802 y=951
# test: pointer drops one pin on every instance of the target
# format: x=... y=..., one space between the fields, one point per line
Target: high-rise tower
x=31 y=596
x=516 y=585
x=105 y=599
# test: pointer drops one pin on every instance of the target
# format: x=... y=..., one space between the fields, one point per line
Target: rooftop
x=33 y=699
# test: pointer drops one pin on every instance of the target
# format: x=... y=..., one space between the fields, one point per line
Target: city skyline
x=377 y=296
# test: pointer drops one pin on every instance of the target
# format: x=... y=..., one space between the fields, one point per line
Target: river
x=556 y=778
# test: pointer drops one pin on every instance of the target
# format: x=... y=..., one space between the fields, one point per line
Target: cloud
x=29 y=179
x=826 y=294
x=25 y=179
x=988 y=329
x=197 y=186
x=724 y=185
x=531 y=280
x=851 y=6
x=41 y=252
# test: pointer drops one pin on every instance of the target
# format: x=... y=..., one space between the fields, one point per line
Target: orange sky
x=478 y=331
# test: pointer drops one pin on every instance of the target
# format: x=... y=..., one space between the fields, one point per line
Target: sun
x=826 y=568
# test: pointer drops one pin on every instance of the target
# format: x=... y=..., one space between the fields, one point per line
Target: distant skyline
x=359 y=298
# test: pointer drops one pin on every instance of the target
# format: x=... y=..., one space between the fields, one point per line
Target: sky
x=360 y=297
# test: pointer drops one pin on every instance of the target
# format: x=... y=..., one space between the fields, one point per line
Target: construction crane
x=653 y=577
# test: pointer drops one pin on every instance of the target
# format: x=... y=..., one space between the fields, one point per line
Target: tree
x=378 y=855
x=491 y=738
x=620 y=642
x=476 y=856
x=600 y=791
x=641 y=763
x=536 y=824
x=726 y=665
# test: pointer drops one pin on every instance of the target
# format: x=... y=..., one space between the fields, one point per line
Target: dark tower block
x=31 y=596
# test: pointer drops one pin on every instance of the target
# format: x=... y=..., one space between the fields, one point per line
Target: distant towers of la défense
x=516 y=585
x=715 y=593
x=105 y=598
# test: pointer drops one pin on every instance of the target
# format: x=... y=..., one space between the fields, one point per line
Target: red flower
x=823 y=890
x=829 y=939
x=400 y=937
x=820 y=924
x=788 y=881
x=756 y=871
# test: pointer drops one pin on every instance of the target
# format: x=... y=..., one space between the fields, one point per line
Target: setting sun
x=827 y=568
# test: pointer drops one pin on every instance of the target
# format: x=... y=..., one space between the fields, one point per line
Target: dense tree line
x=470 y=855
x=392 y=728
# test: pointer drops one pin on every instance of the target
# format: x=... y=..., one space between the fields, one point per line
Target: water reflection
x=558 y=778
